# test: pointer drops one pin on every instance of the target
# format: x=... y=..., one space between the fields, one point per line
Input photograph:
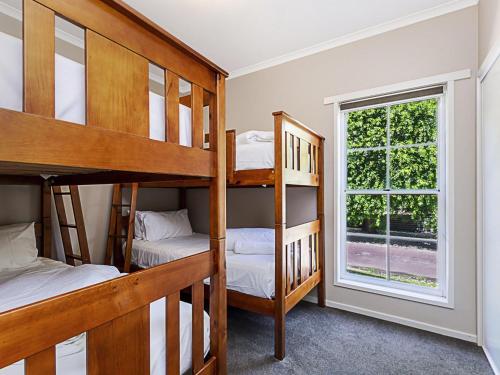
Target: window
x=392 y=194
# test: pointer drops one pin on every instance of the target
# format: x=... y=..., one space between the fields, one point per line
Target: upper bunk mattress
x=249 y=274
x=258 y=155
x=47 y=278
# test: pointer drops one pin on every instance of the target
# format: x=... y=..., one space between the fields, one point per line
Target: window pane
x=366 y=214
x=414 y=122
x=414 y=168
x=414 y=216
x=366 y=256
x=367 y=128
x=366 y=170
x=413 y=262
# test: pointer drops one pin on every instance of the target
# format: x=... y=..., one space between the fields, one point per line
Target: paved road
x=404 y=259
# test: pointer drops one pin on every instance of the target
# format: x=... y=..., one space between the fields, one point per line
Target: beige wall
x=440 y=45
x=489 y=26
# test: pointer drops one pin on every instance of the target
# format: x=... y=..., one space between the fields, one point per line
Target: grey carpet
x=329 y=341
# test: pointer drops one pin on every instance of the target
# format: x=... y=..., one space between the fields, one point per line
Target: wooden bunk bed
x=299 y=250
x=113 y=146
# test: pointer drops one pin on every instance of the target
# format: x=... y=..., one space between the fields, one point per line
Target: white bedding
x=250 y=274
x=47 y=278
x=258 y=155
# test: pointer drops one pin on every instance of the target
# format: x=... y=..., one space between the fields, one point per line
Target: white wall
x=489 y=27
x=436 y=46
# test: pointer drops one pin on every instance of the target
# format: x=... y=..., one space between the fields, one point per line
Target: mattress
x=258 y=155
x=46 y=278
x=249 y=274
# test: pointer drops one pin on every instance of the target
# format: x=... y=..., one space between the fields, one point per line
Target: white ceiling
x=244 y=35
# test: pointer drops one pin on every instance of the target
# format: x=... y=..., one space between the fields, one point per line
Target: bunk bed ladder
x=78 y=225
x=114 y=250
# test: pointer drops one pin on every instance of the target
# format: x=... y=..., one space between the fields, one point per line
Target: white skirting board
x=494 y=367
x=397 y=319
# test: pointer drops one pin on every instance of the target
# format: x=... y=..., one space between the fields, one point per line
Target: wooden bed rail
x=115 y=316
x=302 y=257
x=117 y=131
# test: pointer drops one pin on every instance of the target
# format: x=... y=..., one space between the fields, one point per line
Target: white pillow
x=139 y=225
x=17 y=245
x=169 y=224
x=254 y=247
x=249 y=235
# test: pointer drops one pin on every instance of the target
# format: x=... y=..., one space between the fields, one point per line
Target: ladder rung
x=62 y=193
x=77 y=257
x=118 y=235
x=121 y=205
x=68 y=225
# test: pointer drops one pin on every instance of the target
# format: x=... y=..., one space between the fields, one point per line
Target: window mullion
x=388 y=188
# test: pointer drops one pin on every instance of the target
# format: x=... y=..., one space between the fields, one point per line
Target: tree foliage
x=409 y=132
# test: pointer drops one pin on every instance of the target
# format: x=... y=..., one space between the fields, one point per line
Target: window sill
x=428 y=299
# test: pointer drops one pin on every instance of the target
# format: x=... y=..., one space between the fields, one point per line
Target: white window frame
x=443 y=296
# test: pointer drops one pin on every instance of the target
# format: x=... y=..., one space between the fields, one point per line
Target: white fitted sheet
x=249 y=274
x=258 y=155
x=47 y=278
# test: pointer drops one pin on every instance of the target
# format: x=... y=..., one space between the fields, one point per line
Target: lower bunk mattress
x=249 y=274
x=47 y=278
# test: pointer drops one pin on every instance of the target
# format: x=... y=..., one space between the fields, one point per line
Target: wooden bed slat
x=304 y=259
x=197 y=294
x=39 y=59
x=130 y=227
x=172 y=106
x=117 y=87
x=173 y=340
x=231 y=154
x=120 y=346
x=43 y=363
x=197 y=116
x=46 y=220
x=116 y=201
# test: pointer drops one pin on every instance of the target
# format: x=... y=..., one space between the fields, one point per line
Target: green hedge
x=410 y=168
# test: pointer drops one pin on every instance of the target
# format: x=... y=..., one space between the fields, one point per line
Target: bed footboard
x=115 y=315
x=298 y=149
x=299 y=254
x=302 y=261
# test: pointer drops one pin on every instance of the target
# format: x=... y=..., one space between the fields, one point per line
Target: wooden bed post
x=46 y=220
x=280 y=231
x=218 y=295
x=321 y=217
